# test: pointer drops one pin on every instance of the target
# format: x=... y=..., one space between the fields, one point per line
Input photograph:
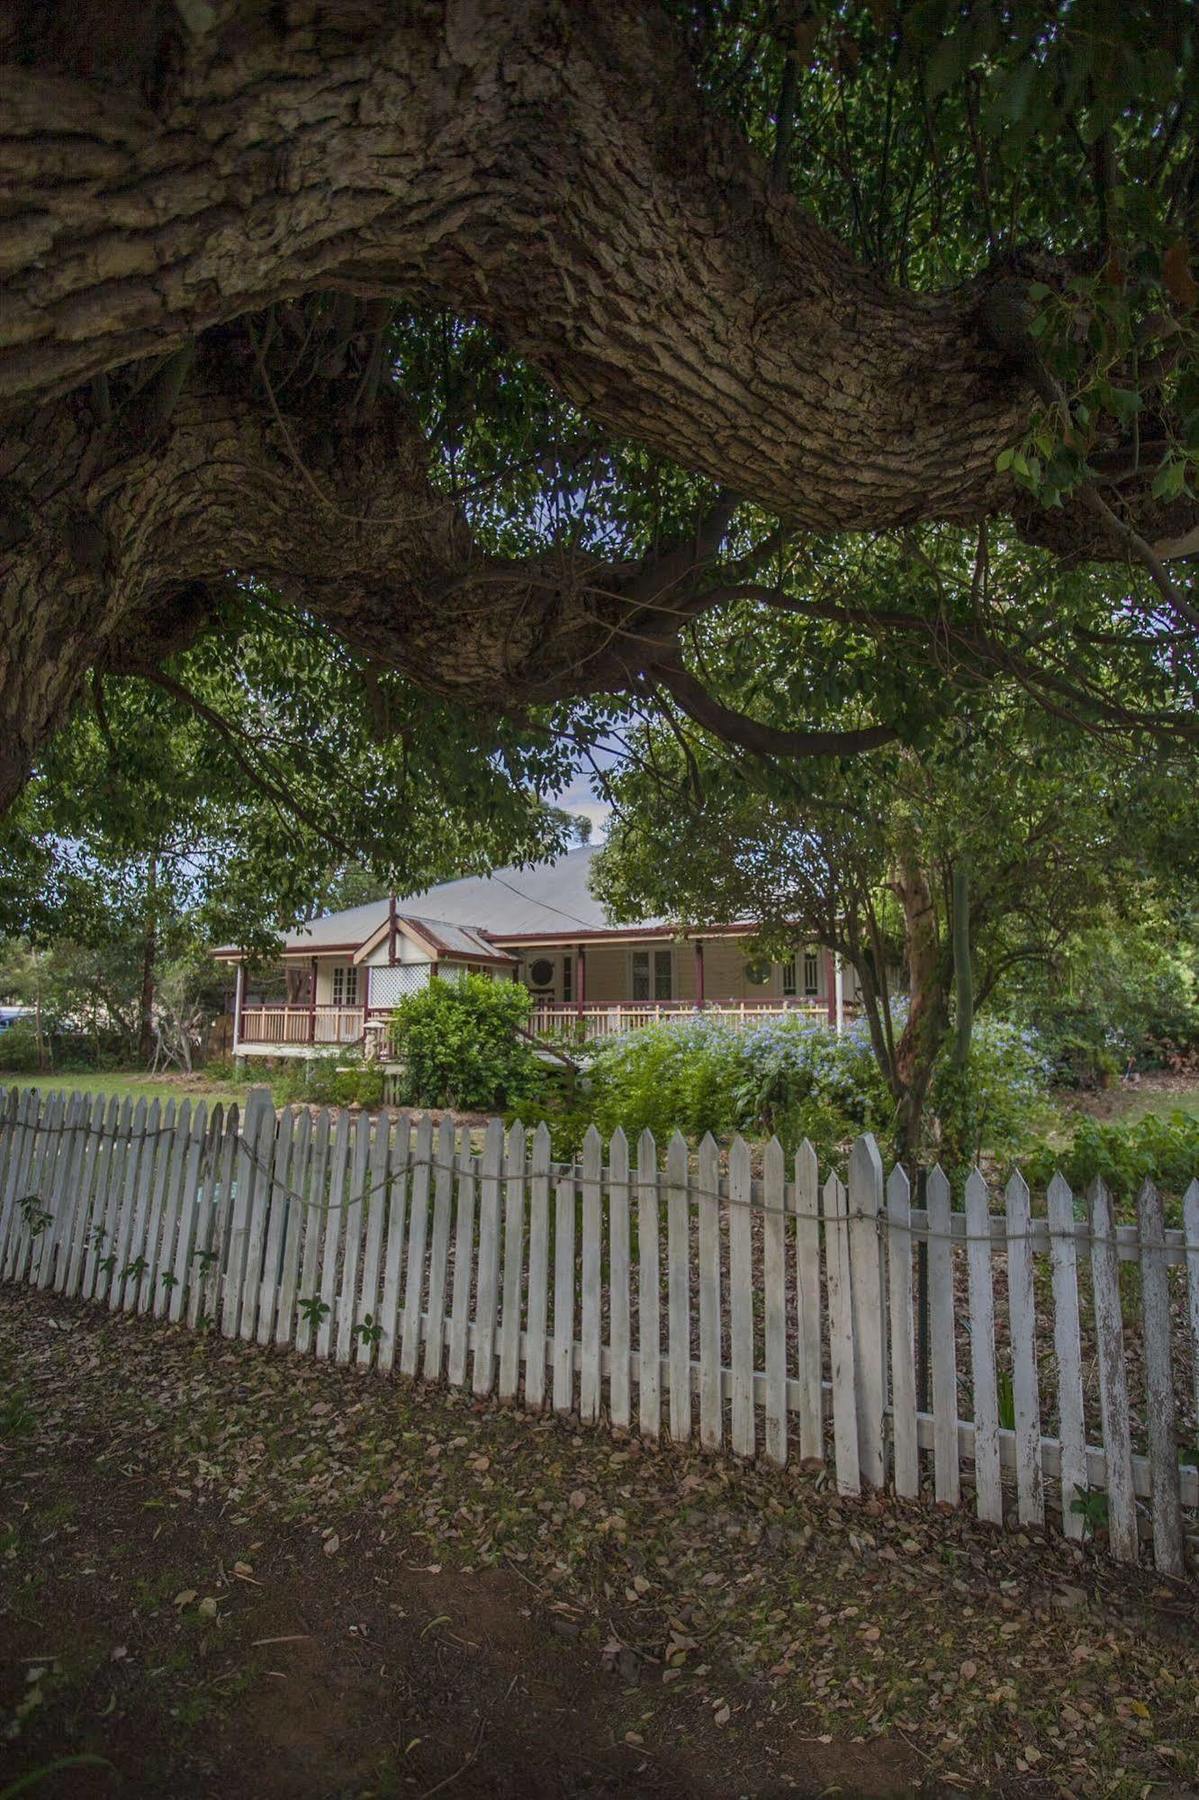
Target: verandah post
x=312 y=1002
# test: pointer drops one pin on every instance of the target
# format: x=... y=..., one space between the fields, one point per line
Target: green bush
x=785 y=1075
x=19 y=1048
x=1162 y=1150
x=458 y=1045
x=995 y=1104
x=326 y=1081
x=1135 y=1001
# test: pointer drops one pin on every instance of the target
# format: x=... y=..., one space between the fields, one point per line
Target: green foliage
x=458 y=1043
x=19 y=1048
x=330 y=1080
x=992 y=1105
x=799 y=1079
x=786 y=1075
x=1121 y=995
x=361 y=783
x=1162 y=1150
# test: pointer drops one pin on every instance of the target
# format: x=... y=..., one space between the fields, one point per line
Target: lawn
x=233 y=1570
x=134 y=1084
x=1161 y=1094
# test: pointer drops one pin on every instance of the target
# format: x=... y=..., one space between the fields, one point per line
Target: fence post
x=866 y=1278
x=1159 y=1385
x=841 y=1338
x=711 y=1399
x=649 y=1291
x=1113 y=1382
x=905 y=1441
x=1063 y=1253
x=243 y=1180
x=807 y=1294
x=946 y=1474
x=1030 y=1498
x=987 y=1482
x=1190 y=1232
x=678 y=1288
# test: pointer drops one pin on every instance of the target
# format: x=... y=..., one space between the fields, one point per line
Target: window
x=567 y=979
x=345 y=985
x=656 y=967
x=811 y=972
x=757 y=971
x=789 y=982
x=541 y=973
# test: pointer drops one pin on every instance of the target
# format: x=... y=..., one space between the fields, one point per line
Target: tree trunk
x=963 y=968
x=145 y=1038
x=927 y=1023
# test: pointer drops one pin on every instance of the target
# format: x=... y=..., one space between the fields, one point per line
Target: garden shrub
x=459 y=1045
x=1136 y=1005
x=795 y=1077
x=786 y=1075
x=1162 y=1150
x=328 y=1080
x=994 y=1105
x=19 y=1048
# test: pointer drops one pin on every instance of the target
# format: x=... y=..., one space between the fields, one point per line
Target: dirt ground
x=227 y=1571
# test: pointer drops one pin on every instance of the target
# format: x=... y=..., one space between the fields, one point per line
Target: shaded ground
x=1127 y=1101
x=229 y=1571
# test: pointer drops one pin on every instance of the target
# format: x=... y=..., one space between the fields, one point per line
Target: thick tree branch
x=763 y=740
x=555 y=172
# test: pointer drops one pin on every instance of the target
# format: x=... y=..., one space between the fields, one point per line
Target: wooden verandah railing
x=603 y=1018
x=281 y=1024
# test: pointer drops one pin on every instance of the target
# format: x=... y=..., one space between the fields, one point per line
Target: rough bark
x=122 y=535
x=549 y=168
x=927 y=1022
x=166 y=169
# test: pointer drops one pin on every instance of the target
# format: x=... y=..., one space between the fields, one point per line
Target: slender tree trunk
x=928 y=1000
x=963 y=968
x=145 y=1040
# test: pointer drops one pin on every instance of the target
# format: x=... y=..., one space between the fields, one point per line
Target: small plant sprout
x=368 y=1330
x=135 y=1270
x=314 y=1309
x=169 y=1280
x=34 y=1214
x=1091 y=1506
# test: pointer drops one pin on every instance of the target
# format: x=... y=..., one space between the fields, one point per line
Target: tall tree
x=834 y=267
x=934 y=874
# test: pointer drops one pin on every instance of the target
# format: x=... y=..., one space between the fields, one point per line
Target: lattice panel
x=390 y=982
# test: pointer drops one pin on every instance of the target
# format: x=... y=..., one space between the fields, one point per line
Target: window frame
x=344 y=986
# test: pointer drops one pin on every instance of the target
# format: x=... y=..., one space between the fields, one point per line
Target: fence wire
x=883 y=1221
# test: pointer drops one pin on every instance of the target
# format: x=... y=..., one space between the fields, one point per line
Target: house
x=341 y=975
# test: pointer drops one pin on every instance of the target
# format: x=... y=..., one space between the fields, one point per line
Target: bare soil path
x=230 y=1572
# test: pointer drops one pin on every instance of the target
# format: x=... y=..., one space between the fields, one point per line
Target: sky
x=579 y=798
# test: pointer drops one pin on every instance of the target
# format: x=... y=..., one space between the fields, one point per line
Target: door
x=652 y=975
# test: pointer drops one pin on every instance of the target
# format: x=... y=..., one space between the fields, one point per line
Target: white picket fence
x=775 y=1312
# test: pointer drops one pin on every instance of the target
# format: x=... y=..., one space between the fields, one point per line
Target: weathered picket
x=783 y=1310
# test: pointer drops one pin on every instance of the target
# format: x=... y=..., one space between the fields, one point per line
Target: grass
x=1134 y=1105
x=133 y=1084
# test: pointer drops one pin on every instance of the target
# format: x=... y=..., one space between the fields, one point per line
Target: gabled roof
x=549 y=900
x=437 y=939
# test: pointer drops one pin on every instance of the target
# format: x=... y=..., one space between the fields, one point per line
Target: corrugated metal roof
x=455 y=940
x=553 y=898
